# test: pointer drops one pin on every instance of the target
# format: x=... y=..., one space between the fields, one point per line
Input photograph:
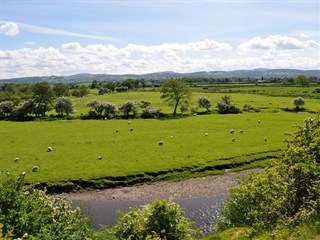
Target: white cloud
x=9 y=29
x=206 y=55
x=276 y=42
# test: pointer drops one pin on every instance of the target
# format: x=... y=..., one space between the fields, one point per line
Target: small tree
x=97 y=106
x=299 y=101
x=175 y=93
x=22 y=111
x=43 y=96
x=302 y=80
x=204 y=103
x=64 y=105
x=129 y=107
x=6 y=108
x=225 y=106
x=110 y=109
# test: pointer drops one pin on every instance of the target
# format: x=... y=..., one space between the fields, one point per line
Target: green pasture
x=77 y=144
x=265 y=103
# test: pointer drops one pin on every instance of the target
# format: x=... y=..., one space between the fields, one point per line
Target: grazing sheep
x=131 y=129
x=265 y=139
x=259 y=121
x=160 y=143
x=50 y=149
x=241 y=131
x=16 y=159
x=129 y=123
x=35 y=169
x=117 y=130
x=232 y=131
x=194 y=114
x=206 y=134
x=233 y=139
x=100 y=157
x=171 y=137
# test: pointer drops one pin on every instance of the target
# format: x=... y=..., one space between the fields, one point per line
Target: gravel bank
x=191 y=188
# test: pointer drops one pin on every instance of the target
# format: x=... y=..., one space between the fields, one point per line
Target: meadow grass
x=77 y=144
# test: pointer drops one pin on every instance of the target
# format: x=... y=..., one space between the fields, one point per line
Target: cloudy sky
x=64 y=37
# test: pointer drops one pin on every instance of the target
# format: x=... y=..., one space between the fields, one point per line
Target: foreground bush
x=158 y=220
x=25 y=211
x=285 y=195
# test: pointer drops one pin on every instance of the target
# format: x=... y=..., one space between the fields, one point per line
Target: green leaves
x=287 y=193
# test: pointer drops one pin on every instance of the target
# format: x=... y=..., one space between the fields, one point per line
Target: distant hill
x=162 y=76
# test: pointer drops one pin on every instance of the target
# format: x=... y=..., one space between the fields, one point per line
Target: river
x=201 y=210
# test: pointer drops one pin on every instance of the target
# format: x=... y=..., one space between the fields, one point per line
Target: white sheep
x=50 y=149
x=171 y=137
x=117 y=130
x=241 y=131
x=35 y=169
x=233 y=139
x=100 y=157
x=16 y=159
x=129 y=123
x=259 y=121
x=206 y=134
x=131 y=129
x=160 y=143
x=232 y=131
x=265 y=139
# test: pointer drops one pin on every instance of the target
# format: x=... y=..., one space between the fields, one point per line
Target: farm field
x=191 y=144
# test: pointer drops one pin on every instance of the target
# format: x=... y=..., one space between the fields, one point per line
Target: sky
x=65 y=37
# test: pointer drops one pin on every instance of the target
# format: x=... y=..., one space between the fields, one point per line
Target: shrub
x=160 y=219
x=225 y=106
x=150 y=112
x=299 y=101
x=25 y=210
x=204 y=103
x=286 y=194
x=129 y=107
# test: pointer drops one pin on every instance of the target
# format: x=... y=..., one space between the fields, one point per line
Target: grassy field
x=135 y=156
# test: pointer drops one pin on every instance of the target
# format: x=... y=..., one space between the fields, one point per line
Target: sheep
x=233 y=139
x=160 y=143
x=265 y=139
x=100 y=157
x=117 y=130
x=206 y=134
x=129 y=123
x=16 y=159
x=50 y=149
x=35 y=169
x=194 y=114
x=241 y=131
x=131 y=129
x=232 y=131
x=171 y=137
x=259 y=121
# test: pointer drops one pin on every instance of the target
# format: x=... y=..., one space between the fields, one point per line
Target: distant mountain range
x=162 y=76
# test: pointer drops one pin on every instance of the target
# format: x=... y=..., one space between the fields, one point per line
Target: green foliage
x=175 y=93
x=129 y=107
x=64 y=105
x=204 y=103
x=225 y=106
x=43 y=96
x=302 y=80
x=287 y=193
x=158 y=220
x=27 y=211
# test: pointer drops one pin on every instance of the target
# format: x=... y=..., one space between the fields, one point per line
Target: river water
x=203 y=210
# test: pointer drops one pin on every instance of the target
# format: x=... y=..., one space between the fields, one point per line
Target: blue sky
x=66 y=37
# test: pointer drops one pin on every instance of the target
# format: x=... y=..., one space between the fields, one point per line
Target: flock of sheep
x=160 y=143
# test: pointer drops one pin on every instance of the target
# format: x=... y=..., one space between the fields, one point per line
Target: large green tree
x=175 y=93
x=43 y=96
x=302 y=80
